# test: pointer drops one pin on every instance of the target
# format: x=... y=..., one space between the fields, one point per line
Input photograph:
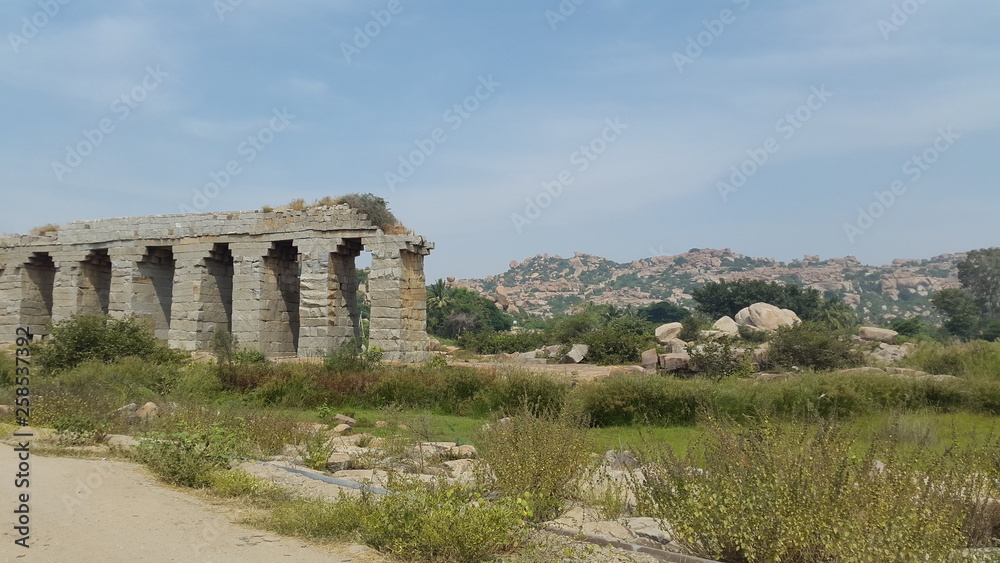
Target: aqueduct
x=282 y=281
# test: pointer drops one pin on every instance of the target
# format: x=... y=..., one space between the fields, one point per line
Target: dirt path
x=108 y=511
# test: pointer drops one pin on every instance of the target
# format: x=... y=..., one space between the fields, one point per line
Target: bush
x=693 y=325
x=514 y=390
x=187 y=458
x=351 y=356
x=611 y=346
x=764 y=493
x=976 y=359
x=376 y=208
x=8 y=369
x=94 y=337
x=440 y=522
x=813 y=345
x=417 y=522
x=540 y=456
x=717 y=359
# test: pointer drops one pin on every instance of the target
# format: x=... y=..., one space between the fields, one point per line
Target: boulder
x=727 y=325
x=341 y=428
x=344 y=419
x=765 y=316
x=552 y=350
x=620 y=459
x=450 y=349
x=576 y=354
x=675 y=362
x=649 y=359
x=338 y=461
x=433 y=344
x=676 y=345
x=707 y=334
x=381 y=424
x=874 y=334
x=665 y=333
x=463 y=452
x=147 y=412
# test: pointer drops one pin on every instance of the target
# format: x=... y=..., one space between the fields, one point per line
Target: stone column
x=67 y=286
x=248 y=292
x=399 y=306
x=188 y=329
x=124 y=277
x=10 y=297
x=316 y=322
x=328 y=287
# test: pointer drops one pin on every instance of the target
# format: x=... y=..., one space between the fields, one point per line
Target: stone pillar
x=399 y=306
x=328 y=310
x=36 y=284
x=10 y=297
x=68 y=281
x=197 y=308
x=124 y=277
x=248 y=292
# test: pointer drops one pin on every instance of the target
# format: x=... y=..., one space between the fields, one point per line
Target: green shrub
x=510 y=391
x=614 y=346
x=764 y=493
x=376 y=208
x=753 y=336
x=623 y=400
x=717 y=359
x=440 y=522
x=417 y=522
x=813 y=345
x=187 y=458
x=974 y=360
x=351 y=356
x=237 y=483
x=103 y=338
x=538 y=456
x=8 y=369
x=693 y=325
x=316 y=449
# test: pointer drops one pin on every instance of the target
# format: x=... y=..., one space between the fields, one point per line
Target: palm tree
x=836 y=314
x=437 y=295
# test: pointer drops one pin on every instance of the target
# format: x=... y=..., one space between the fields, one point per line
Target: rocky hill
x=545 y=285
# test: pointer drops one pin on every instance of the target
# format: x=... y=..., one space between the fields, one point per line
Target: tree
x=980 y=275
x=962 y=309
x=437 y=295
x=663 y=312
x=836 y=315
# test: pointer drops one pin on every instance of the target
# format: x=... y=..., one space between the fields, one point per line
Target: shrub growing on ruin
x=376 y=208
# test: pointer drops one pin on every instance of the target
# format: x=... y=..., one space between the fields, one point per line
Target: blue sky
x=613 y=127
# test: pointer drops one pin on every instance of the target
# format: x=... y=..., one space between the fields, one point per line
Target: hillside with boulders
x=545 y=285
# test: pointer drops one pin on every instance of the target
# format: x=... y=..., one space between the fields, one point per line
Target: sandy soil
x=109 y=511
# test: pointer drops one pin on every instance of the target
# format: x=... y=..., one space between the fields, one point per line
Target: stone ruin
x=284 y=282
